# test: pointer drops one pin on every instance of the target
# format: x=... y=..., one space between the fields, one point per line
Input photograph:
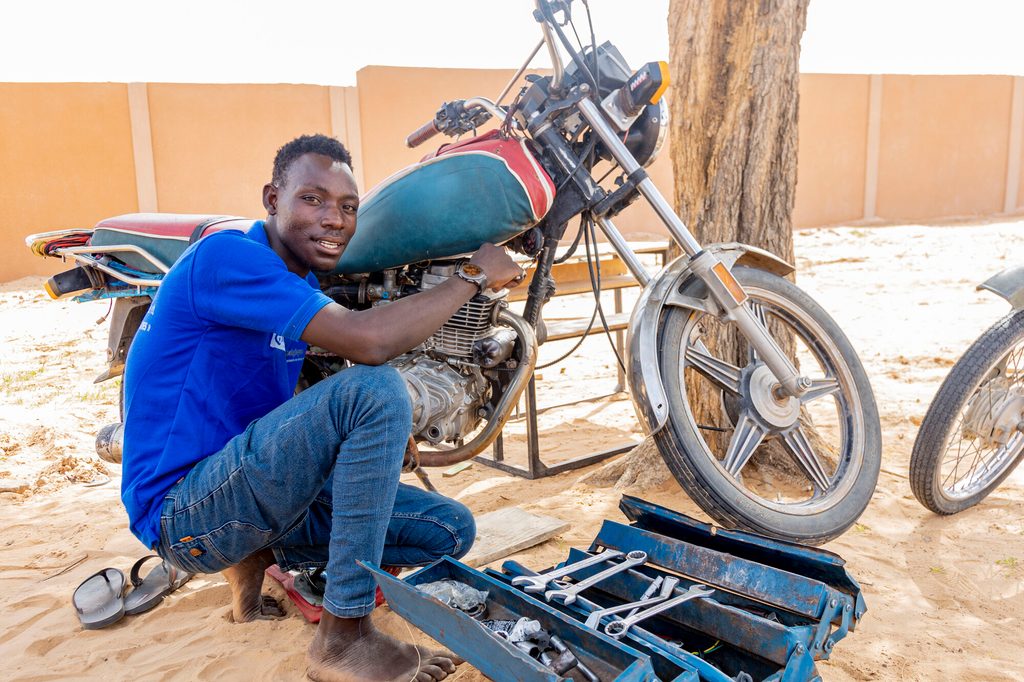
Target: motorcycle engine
x=446 y=375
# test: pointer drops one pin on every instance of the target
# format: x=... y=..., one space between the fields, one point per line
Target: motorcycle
x=793 y=385
x=972 y=436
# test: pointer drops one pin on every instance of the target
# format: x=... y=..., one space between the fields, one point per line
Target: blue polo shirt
x=218 y=349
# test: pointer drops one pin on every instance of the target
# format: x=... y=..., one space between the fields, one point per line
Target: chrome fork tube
x=621 y=247
x=629 y=164
x=725 y=290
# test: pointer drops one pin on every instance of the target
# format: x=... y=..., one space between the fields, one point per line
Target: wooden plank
x=574 y=328
x=509 y=530
x=576 y=287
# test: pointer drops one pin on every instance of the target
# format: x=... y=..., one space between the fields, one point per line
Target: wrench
x=634 y=558
x=539 y=582
x=648 y=599
x=618 y=628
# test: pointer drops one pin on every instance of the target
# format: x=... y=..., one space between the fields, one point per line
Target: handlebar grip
x=421 y=134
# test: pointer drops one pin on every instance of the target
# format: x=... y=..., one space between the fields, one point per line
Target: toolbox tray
x=777 y=607
x=497 y=658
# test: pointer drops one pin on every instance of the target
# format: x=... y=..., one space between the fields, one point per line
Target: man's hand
x=502 y=272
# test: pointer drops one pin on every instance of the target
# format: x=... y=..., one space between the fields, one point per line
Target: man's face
x=313 y=215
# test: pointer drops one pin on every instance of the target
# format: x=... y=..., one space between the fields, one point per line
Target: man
x=225 y=471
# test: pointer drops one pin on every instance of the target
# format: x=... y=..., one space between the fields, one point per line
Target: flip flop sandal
x=150 y=591
x=99 y=600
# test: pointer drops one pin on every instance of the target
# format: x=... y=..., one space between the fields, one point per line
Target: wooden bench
x=572 y=278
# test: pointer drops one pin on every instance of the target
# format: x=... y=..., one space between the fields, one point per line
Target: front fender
x=643 y=365
x=1008 y=284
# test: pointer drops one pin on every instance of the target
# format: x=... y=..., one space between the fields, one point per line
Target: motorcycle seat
x=163 y=236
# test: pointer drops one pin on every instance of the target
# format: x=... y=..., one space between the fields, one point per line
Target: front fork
x=728 y=293
x=724 y=288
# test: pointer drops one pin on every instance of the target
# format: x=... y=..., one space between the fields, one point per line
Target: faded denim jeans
x=316 y=481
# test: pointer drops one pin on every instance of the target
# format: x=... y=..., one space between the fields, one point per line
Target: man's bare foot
x=353 y=650
x=246 y=582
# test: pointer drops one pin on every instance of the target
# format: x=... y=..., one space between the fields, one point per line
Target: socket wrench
x=617 y=629
x=568 y=594
x=649 y=598
x=539 y=582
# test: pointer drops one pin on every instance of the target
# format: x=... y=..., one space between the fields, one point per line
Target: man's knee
x=463 y=529
x=381 y=384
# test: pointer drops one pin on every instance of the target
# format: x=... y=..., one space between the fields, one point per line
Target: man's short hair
x=307 y=144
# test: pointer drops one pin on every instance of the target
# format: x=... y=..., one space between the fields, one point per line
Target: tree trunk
x=734 y=98
x=734 y=101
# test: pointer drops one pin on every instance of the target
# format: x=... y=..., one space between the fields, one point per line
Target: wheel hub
x=993 y=413
x=779 y=413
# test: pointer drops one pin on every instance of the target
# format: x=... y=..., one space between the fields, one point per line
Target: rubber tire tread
x=941 y=417
x=716 y=504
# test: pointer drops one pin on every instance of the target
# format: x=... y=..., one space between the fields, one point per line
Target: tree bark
x=734 y=103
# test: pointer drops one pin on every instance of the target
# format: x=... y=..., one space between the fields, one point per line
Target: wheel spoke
x=819 y=389
x=796 y=442
x=757 y=310
x=745 y=439
x=719 y=371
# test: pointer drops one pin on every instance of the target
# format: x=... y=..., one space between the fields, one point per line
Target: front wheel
x=972 y=436
x=795 y=469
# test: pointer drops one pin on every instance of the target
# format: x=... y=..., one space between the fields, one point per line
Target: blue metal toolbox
x=775 y=608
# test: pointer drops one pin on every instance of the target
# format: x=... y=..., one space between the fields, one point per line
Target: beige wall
x=832 y=149
x=886 y=147
x=213 y=145
x=944 y=146
x=65 y=161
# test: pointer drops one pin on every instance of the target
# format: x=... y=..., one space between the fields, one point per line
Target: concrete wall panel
x=832 y=149
x=943 y=146
x=214 y=145
x=65 y=162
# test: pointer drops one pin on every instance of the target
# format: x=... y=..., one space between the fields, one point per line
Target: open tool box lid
x=776 y=608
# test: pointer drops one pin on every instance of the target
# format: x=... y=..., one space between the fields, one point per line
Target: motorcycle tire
x=950 y=423
x=712 y=464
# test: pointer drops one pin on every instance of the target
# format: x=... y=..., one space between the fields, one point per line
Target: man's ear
x=270 y=198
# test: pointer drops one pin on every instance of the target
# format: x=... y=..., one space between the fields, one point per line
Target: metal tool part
x=618 y=628
x=539 y=582
x=560 y=664
x=568 y=594
x=649 y=598
x=561 y=648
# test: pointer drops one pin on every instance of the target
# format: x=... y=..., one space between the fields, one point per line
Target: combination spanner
x=568 y=594
x=539 y=582
x=649 y=598
x=618 y=628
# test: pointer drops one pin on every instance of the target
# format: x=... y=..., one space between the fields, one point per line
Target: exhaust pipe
x=109 y=443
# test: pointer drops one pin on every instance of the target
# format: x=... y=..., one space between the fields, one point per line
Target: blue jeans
x=316 y=481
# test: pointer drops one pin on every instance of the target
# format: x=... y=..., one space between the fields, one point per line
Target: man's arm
x=375 y=335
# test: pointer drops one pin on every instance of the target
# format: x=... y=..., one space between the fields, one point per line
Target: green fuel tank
x=486 y=189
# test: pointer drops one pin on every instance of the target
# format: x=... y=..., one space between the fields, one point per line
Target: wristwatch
x=473 y=274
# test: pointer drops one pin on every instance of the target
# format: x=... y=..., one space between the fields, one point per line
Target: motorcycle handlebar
x=421 y=134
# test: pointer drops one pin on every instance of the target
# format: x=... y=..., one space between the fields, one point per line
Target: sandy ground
x=945 y=595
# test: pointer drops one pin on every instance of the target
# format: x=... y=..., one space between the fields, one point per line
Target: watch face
x=472 y=270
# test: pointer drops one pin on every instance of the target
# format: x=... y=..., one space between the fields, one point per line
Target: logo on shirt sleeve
x=277 y=342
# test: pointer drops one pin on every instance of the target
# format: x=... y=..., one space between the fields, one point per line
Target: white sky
x=315 y=41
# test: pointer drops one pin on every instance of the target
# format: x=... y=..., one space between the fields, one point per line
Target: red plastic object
x=311 y=612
